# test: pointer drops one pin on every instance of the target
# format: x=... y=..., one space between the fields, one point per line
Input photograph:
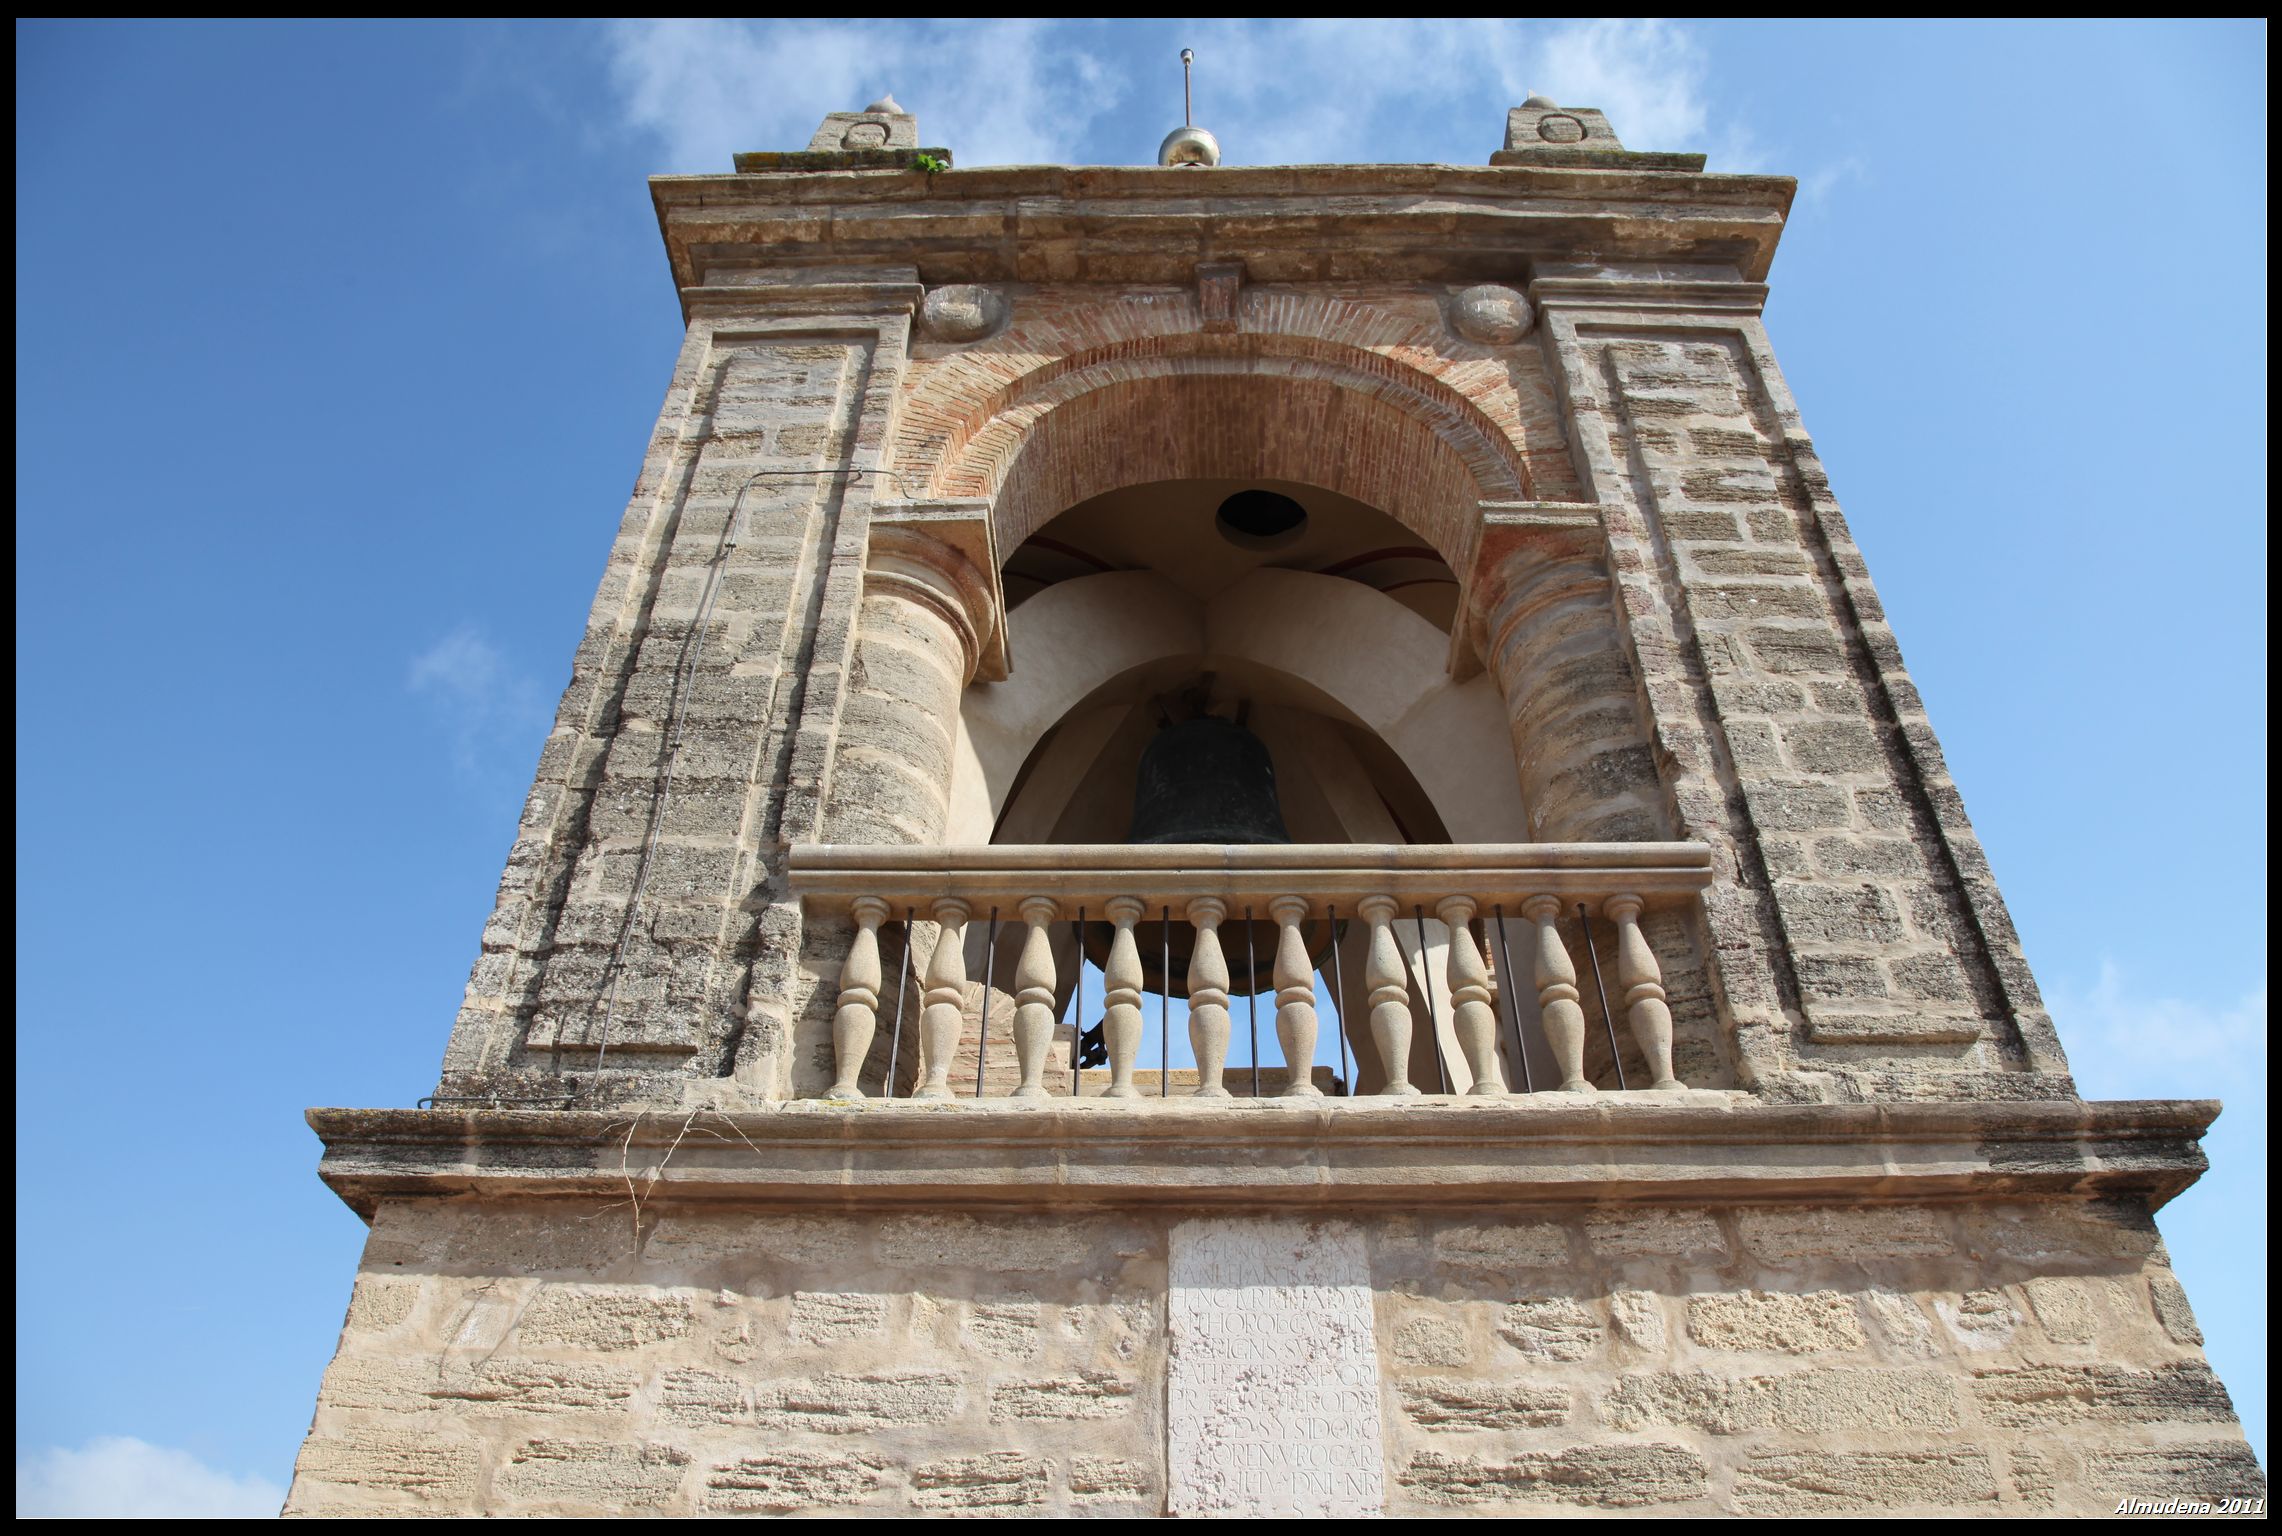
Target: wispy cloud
x=1014 y=91
x=489 y=709
x=1275 y=92
x=117 y=1477
x=2123 y=1042
x=1817 y=185
x=1648 y=76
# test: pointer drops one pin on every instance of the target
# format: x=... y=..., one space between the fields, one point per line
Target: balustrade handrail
x=1321 y=872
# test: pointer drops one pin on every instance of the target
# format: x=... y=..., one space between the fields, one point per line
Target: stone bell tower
x=1608 y=1080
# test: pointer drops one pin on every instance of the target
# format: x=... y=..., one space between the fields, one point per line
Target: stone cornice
x=1151 y=224
x=1698 y=1148
x=1637 y=287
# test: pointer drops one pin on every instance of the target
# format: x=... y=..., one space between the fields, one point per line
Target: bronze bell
x=1206 y=780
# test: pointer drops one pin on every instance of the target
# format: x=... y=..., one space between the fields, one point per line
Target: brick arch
x=1253 y=424
x=1326 y=391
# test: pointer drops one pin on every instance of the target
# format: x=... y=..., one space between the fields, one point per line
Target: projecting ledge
x=1284 y=1154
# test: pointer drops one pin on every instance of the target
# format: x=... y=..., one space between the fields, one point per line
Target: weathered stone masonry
x=641 y=1257
x=2007 y=1357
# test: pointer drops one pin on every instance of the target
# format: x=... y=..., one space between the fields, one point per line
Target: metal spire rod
x=1188 y=112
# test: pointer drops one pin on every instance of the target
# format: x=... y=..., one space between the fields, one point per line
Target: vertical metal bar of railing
x=1252 y=985
x=1510 y=986
x=990 y=971
x=1165 y=1011
x=1339 y=989
x=1433 y=1026
x=902 y=987
x=1615 y=1056
x=1078 y=1008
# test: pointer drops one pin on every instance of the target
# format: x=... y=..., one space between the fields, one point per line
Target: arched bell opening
x=1347 y=608
x=1322 y=624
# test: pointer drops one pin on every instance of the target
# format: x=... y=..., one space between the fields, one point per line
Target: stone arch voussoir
x=1319 y=391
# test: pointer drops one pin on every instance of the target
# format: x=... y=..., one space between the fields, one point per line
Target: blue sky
x=337 y=347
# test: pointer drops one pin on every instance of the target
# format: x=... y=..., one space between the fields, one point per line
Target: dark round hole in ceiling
x=1261 y=519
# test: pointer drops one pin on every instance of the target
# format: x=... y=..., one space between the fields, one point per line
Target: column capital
x=944 y=554
x=1537 y=532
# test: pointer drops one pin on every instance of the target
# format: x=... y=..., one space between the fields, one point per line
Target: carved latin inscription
x=1272 y=1390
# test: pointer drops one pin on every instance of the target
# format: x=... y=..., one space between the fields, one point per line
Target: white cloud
x=2125 y=1043
x=486 y=705
x=1275 y=92
x=118 y=1477
x=1013 y=92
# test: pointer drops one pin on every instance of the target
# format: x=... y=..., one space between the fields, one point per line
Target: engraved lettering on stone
x=1272 y=1379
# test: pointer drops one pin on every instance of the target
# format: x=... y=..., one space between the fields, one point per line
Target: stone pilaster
x=692 y=743
x=1792 y=738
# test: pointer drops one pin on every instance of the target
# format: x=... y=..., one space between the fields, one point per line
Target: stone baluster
x=1389 y=995
x=1208 y=997
x=945 y=1000
x=1558 y=1005
x=1034 y=997
x=1472 y=1004
x=1642 y=984
x=858 y=1018
x=1121 y=998
x=1295 y=998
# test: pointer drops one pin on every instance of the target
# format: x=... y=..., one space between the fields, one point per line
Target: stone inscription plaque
x=1272 y=1377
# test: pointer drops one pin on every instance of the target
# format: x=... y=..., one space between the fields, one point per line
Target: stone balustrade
x=1500 y=908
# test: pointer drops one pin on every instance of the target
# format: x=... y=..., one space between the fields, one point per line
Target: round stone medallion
x=1561 y=128
x=961 y=312
x=1491 y=315
x=864 y=136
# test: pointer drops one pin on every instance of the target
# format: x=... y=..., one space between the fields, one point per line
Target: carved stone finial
x=1539 y=125
x=882 y=125
x=882 y=137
